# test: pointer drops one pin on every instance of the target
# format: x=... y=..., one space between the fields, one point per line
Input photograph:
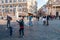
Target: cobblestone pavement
x=37 y=32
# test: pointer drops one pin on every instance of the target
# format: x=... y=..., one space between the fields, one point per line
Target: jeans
x=8 y=24
x=10 y=28
x=21 y=31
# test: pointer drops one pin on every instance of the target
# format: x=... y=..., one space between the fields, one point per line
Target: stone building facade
x=17 y=7
x=52 y=7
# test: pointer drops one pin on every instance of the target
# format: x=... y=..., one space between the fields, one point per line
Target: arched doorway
x=57 y=14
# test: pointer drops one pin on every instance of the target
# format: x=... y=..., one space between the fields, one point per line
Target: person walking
x=38 y=18
x=44 y=20
x=21 y=24
x=30 y=21
x=47 y=20
x=8 y=20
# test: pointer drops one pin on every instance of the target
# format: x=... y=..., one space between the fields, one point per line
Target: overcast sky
x=41 y=3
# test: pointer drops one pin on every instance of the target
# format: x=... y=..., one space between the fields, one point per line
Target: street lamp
x=17 y=12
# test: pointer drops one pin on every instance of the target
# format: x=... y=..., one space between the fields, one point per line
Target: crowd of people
x=21 y=23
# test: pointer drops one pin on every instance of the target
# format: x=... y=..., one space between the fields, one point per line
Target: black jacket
x=21 y=22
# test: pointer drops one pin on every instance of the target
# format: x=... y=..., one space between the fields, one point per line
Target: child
x=21 y=24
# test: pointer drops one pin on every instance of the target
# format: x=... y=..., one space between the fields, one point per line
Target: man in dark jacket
x=47 y=20
x=21 y=24
x=8 y=20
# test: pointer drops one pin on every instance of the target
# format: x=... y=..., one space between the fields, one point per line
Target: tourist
x=21 y=29
x=47 y=17
x=9 y=18
x=44 y=20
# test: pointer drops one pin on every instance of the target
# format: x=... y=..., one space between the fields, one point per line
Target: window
x=2 y=6
x=10 y=1
x=19 y=5
x=10 y=10
x=14 y=0
x=2 y=1
x=24 y=0
x=6 y=1
x=2 y=10
x=19 y=9
x=6 y=10
x=10 y=5
x=35 y=12
x=19 y=0
x=24 y=10
x=57 y=14
x=50 y=2
x=7 y=6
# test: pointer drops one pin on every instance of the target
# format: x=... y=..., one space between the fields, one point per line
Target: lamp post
x=2 y=15
x=17 y=12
